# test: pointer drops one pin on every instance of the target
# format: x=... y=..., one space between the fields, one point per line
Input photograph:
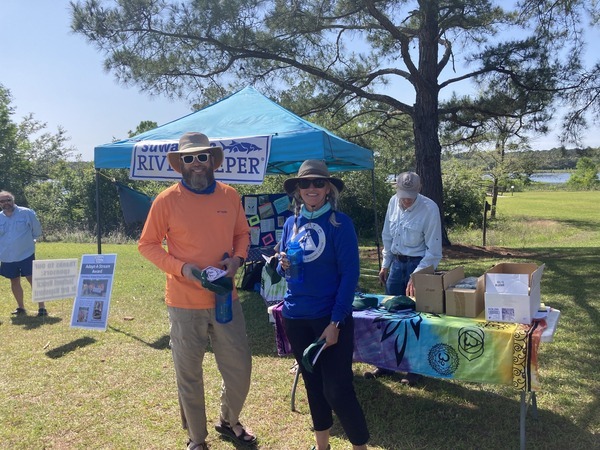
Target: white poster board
x=96 y=276
x=53 y=279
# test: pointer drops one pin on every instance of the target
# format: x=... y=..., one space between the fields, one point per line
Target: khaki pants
x=191 y=332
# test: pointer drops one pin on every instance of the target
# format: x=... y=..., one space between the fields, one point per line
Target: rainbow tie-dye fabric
x=450 y=347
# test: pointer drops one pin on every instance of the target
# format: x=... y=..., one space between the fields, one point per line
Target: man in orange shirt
x=201 y=220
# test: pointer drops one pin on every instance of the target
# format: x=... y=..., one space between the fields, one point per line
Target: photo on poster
x=282 y=204
x=250 y=205
x=267 y=226
x=98 y=307
x=266 y=210
x=82 y=314
x=255 y=236
x=94 y=288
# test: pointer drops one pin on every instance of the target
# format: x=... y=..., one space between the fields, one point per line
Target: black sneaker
x=411 y=379
x=42 y=312
x=19 y=312
x=378 y=372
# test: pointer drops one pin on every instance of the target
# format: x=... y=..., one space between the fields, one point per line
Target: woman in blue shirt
x=320 y=307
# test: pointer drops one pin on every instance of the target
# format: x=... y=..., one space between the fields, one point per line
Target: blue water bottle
x=295 y=254
x=223 y=311
x=223 y=304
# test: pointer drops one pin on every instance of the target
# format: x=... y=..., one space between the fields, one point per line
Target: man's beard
x=199 y=181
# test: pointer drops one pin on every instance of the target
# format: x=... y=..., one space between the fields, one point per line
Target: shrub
x=464 y=195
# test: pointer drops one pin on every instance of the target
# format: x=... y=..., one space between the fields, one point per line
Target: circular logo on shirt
x=312 y=239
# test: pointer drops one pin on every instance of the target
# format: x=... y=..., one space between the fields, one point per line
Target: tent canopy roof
x=249 y=113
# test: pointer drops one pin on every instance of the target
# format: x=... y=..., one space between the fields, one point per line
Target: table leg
x=294 y=388
x=524 y=407
x=522 y=420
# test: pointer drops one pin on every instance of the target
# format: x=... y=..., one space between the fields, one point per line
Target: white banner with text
x=245 y=160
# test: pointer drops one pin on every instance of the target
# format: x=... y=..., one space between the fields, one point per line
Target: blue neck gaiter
x=314 y=214
x=208 y=190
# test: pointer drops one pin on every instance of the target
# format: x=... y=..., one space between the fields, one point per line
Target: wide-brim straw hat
x=192 y=143
x=312 y=168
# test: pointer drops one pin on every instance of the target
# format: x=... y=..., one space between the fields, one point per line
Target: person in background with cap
x=412 y=240
x=19 y=228
x=320 y=307
x=201 y=220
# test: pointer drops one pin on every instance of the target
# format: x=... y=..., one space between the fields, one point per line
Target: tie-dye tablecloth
x=443 y=346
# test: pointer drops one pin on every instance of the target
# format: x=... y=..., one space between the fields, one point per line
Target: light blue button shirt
x=415 y=231
x=18 y=233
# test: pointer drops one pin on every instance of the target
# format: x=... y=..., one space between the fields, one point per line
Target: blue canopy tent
x=248 y=113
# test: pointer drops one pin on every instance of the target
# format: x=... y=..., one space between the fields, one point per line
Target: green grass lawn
x=64 y=388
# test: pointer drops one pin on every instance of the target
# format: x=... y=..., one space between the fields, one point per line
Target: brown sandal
x=227 y=431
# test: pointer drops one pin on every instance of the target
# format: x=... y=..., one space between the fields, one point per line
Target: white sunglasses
x=201 y=157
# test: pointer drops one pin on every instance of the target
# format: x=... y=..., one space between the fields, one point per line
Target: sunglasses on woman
x=318 y=183
x=201 y=157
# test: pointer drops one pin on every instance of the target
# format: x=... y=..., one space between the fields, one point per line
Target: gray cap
x=408 y=185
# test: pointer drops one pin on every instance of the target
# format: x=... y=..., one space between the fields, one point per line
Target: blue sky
x=58 y=77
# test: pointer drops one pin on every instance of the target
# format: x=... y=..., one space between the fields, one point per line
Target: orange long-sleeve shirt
x=198 y=229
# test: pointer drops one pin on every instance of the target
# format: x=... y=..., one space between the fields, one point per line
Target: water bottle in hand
x=295 y=254
x=223 y=304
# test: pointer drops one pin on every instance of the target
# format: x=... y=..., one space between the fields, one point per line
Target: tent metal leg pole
x=375 y=213
x=98 y=228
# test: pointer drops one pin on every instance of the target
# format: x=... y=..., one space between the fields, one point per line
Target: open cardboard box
x=512 y=292
x=464 y=302
x=430 y=287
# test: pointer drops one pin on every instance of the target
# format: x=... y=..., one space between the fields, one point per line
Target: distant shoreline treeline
x=556 y=159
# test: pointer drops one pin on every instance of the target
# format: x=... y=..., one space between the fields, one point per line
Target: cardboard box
x=512 y=292
x=430 y=287
x=464 y=302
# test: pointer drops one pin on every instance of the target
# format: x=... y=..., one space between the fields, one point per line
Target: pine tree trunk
x=428 y=151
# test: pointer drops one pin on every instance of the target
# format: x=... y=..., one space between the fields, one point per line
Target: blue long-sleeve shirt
x=331 y=268
x=18 y=233
x=415 y=231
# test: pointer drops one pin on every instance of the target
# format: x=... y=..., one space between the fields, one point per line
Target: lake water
x=551 y=177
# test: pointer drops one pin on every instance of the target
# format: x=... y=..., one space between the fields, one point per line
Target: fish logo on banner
x=245 y=160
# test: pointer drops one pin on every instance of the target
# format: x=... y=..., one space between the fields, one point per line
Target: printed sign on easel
x=96 y=276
